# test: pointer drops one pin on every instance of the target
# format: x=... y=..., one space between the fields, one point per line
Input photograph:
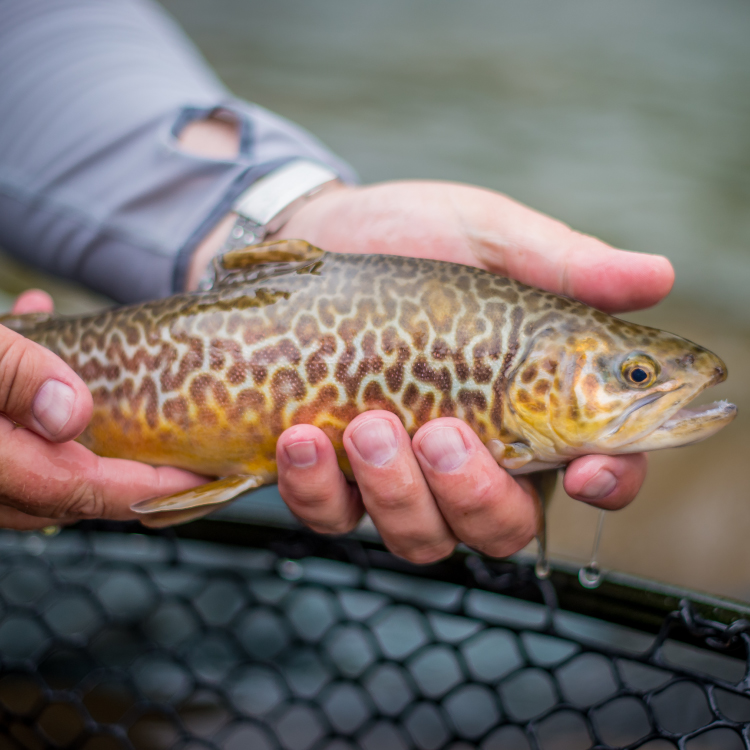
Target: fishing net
x=261 y=638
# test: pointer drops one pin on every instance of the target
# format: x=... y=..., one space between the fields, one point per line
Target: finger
x=393 y=489
x=39 y=391
x=470 y=225
x=68 y=481
x=609 y=482
x=610 y=279
x=33 y=300
x=10 y=518
x=514 y=240
x=312 y=484
x=486 y=508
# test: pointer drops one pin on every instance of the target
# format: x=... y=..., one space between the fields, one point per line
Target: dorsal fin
x=267 y=259
x=24 y=323
x=279 y=251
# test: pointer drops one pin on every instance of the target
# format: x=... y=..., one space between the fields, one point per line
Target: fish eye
x=639 y=371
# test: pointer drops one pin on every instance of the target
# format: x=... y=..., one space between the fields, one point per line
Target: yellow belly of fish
x=211 y=443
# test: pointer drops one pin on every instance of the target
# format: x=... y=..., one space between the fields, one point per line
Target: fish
x=290 y=334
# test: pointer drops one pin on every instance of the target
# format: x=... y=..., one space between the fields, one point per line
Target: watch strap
x=265 y=206
x=266 y=201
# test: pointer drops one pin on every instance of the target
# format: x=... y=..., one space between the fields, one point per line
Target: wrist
x=312 y=220
x=207 y=249
x=219 y=237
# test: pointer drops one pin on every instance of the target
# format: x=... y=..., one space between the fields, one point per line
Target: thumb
x=39 y=391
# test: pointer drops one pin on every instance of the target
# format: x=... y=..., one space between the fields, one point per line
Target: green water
x=630 y=121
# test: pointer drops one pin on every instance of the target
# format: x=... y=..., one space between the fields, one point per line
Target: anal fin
x=194 y=503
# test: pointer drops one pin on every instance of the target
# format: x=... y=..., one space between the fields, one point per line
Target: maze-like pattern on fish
x=208 y=381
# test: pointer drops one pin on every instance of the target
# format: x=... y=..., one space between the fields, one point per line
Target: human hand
x=426 y=494
x=45 y=479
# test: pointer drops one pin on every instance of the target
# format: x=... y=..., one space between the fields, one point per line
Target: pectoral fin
x=194 y=503
x=510 y=455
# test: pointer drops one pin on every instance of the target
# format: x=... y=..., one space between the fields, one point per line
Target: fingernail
x=302 y=454
x=53 y=405
x=599 y=486
x=444 y=448
x=375 y=441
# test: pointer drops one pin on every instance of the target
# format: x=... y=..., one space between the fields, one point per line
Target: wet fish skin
x=207 y=381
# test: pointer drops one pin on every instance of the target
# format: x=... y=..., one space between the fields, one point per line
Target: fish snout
x=720 y=374
x=718 y=370
x=707 y=364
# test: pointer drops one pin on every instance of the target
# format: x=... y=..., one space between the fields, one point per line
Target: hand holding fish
x=45 y=478
x=424 y=493
x=479 y=227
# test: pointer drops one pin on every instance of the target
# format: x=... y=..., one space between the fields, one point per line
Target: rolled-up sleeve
x=93 y=183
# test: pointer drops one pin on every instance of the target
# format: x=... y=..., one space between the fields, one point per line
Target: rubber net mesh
x=111 y=640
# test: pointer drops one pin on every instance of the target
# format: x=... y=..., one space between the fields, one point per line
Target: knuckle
x=345 y=525
x=475 y=500
x=515 y=535
x=83 y=501
x=304 y=498
x=324 y=510
x=395 y=494
x=391 y=503
x=335 y=527
x=308 y=501
x=12 y=354
x=427 y=554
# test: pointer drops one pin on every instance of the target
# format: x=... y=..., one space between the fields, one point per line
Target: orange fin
x=510 y=455
x=194 y=503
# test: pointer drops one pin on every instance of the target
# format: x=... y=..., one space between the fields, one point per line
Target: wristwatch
x=269 y=203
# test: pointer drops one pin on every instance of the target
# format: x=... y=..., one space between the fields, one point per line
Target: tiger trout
x=290 y=334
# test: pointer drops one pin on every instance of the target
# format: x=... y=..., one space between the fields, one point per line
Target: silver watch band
x=269 y=203
x=268 y=200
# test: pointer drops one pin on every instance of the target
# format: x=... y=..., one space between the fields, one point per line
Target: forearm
x=99 y=177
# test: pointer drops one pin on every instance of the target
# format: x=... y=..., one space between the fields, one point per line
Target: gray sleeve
x=93 y=185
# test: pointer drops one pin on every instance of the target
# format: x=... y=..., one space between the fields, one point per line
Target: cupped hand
x=45 y=478
x=428 y=493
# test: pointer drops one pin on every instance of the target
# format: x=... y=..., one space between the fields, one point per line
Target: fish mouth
x=622 y=420
x=686 y=426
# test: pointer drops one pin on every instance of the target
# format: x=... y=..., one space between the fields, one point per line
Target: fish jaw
x=676 y=424
x=687 y=426
x=570 y=395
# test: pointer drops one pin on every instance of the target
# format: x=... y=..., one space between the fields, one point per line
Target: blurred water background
x=629 y=121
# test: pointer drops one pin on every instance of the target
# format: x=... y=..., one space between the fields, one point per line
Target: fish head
x=608 y=386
